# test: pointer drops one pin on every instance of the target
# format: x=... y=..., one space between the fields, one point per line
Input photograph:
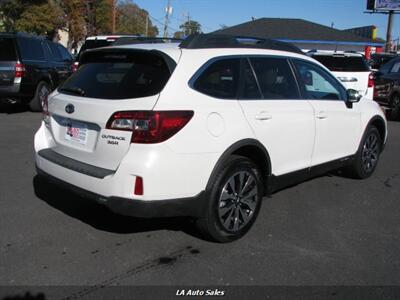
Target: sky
x=212 y=14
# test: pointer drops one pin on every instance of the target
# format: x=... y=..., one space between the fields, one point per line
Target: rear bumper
x=10 y=91
x=190 y=207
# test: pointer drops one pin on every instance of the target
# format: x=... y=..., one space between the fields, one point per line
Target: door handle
x=321 y=115
x=263 y=115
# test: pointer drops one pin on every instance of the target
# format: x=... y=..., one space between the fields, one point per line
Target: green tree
x=179 y=34
x=11 y=11
x=190 y=27
x=134 y=20
x=75 y=12
x=41 y=19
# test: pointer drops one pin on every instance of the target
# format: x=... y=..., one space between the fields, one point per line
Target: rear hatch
x=8 y=59
x=351 y=70
x=107 y=81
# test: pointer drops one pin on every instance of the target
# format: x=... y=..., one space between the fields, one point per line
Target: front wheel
x=367 y=156
x=234 y=203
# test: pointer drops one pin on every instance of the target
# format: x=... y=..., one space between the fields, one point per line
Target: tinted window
x=275 y=78
x=7 y=49
x=117 y=75
x=31 y=49
x=387 y=67
x=395 y=68
x=55 y=54
x=220 y=79
x=250 y=88
x=92 y=44
x=343 y=63
x=318 y=84
x=64 y=53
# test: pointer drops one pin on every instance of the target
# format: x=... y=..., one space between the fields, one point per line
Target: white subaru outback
x=202 y=129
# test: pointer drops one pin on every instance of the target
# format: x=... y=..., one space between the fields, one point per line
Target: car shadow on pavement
x=100 y=217
x=12 y=108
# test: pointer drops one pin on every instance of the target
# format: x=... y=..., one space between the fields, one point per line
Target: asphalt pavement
x=329 y=231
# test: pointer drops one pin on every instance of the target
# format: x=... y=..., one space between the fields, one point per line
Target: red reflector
x=138 y=186
x=75 y=66
x=371 y=82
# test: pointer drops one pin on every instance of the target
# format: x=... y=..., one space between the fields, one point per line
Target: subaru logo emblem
x=69 y=108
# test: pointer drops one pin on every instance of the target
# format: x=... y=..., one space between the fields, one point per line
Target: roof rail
x=204 y=41
x=144 y=40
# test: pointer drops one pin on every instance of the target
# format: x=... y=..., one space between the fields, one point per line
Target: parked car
x=98 y=41
x=31 y=67
x=387 y=87
x=203 y=129
x=379 y=59
x=350 y=68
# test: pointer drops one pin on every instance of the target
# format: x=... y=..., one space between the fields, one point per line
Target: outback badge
x=69 y=109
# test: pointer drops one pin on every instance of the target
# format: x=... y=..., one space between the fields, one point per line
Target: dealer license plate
x=76 y=132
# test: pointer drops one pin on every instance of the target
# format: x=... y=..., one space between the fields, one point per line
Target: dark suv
x=31 y=67
x=387 y=87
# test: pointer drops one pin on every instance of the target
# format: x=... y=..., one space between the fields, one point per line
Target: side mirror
x=353 y=96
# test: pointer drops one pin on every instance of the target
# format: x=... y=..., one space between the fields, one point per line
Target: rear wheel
x=395 y=108
x=367 y=156
x=42 y=91
x=234 y=203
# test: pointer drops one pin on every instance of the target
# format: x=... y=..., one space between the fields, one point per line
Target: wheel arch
x=379 y=123
x=251 y=149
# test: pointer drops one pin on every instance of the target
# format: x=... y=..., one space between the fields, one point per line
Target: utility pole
x=147 y=25
x=389 y=31
x=113 y=16
x=168 y=11
x=189 y=27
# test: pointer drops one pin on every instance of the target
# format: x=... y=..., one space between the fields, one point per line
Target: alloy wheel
x=370 y=153
x=238 y=201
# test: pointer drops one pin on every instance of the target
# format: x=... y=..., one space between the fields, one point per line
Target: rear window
x=118 y=75
x=31 y=49
x=93 y=44
x=7 y=49
x=343 y=63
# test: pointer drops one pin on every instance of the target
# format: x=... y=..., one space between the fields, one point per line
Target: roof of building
x=296 y=30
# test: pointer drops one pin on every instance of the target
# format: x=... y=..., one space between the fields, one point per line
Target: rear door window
x=343 y=63
x=55 y=54
x=275 y=78
x=64 y=53
x=118 y=75
x=220 y=79
x=7 y=49
x=31 y=49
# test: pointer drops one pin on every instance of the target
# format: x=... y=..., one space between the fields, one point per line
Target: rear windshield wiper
x=73 y=90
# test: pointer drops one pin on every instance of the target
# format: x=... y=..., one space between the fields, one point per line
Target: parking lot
x=330 y=230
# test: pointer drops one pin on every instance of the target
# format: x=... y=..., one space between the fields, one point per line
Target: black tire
x=42 y=90
x=367 y=156
x=242 y=201
x=394 y=113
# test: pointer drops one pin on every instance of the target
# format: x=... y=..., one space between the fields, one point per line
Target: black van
x=31 y=67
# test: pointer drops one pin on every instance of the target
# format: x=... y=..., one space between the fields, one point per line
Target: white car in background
x=204 y=129
x=350 y=68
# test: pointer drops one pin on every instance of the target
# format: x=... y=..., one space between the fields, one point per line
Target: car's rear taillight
x=150 y=127
x=371 y=80
x=19 y=70
x=75 y=66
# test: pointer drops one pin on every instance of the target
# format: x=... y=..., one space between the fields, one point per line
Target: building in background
x=306 y=35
